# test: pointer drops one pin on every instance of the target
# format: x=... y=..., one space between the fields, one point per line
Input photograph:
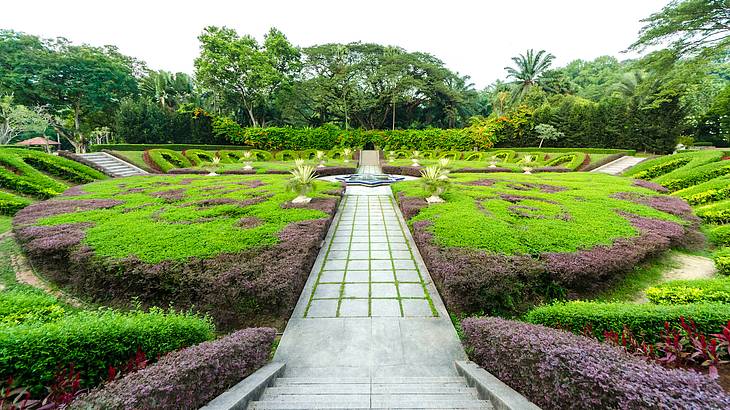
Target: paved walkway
x=369 y=308
x=620 y=165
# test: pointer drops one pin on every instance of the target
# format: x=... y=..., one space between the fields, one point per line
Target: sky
x=475 y=38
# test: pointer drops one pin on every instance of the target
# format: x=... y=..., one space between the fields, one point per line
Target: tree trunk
x=541 y=140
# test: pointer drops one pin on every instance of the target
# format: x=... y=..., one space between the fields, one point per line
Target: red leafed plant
x=137 y=362
x=680 y=347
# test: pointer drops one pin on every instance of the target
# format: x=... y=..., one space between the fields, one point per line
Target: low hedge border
x=174 y=147
x=163 y=160
x=722 y=261
x=32 y=353
x=690 y=291
x=720 y=235
x=558 y=370
x=189 y=378
x=643 y=320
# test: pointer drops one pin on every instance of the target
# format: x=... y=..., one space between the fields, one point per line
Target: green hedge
x=25 y=304
x=714 y=190
x=644 y=320
x=25 y=172
x=198 y=156
x=10 y=204
x=690 y=291
x=174 y=147
x=32 y=353
x=716 y=213
x=164 y=160
x=668 y=164
x=722 y=261
x=690 y=176
x=720 y=235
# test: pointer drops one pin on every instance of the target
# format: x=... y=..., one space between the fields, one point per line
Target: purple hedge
x=188 y=378
x=559 y=370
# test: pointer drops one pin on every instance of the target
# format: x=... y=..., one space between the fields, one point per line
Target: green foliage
x=286 y=155
x=716 y=213
x=10 y=204
x=580 y=216
x=25 y=304
x=174 y=147
x=164 y=160
x=33 y=352
x=687 y=177
x=197 y=157
x=665 y=165
x=690 y=291
x=644 y=320
x=175 y=222
x=720 y=235
x=722 y=260
x=714 y=190
x=37 y=174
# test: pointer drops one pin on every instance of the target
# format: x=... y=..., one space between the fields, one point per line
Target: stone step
x=374 y=403
x=113 y=165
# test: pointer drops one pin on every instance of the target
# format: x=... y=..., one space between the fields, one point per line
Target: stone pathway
x=620 y=165
x=369 y=330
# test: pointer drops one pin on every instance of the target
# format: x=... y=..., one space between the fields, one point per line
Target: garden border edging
x=248 y=389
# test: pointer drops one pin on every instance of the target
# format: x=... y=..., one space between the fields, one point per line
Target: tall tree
x=690 y=28
x=528 y=70
x=243 y=72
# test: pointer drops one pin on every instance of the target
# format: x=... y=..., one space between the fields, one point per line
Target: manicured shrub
x=688 y=177
x=717 y=189
x=475 y=156
x=715 y=213
x=643 y=320
x=173 y=147
x=452 y=155
x=163 y=160
x=189 y=378
x=197 y=157
x=309 y=154
x=10 y=204
x=722 y=261
x=661 y=169
x=19 y=305
x=230 y=246
x=24 y=171
x=286 y=155
x=558 y=370
x=690 y=291
x=667 y=165
x=32 y=353
x=720 y=235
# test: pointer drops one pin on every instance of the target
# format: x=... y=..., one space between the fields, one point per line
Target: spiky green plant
x=247 y=158
x=320 y=155
x=298 y=162
x=526 y=161
x=444 y=163
x=347 y=154
x=302 y=182
x=213 y=166
x=435 y=180
x=415 y=155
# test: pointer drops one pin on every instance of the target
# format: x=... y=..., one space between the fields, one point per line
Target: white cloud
x=476 y=38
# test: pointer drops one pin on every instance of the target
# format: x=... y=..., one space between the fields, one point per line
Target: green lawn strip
x=177 y=229
x=6 y=223
x=581 y=217
x=134 y=157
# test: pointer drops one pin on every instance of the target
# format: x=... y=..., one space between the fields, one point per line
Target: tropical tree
x=168 y=89
x=528 y=71
x=691 y=28
x=547 y=132
x=18 y=119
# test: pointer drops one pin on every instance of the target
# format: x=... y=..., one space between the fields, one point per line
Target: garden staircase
x=370 y=393
x=112 y=165
x=618 y=166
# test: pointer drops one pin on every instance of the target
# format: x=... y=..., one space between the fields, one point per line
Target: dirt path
x=687 y=267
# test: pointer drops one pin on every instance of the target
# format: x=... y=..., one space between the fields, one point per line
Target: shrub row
x=722 y=261
x=720 y=235
x=186 y=379
x=644 y=320
x=163 y=160
x=174 y=147
x=716 y=213
x=24 y=304
x=22 y=171
x=32 y=353
x=10 y=204
x=558 y=370
x=688 y=177
x=665 y=165
x=690 y=291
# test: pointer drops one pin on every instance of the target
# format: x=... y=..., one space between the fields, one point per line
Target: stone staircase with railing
x=618 y=166
x=112 y=165
x=370 y=393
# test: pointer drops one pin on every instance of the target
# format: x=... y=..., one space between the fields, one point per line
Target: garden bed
x=231 y=246
x=504 y=242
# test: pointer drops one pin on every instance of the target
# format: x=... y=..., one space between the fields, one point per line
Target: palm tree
x=168 y=89
x=528 y=70
x=629 y=83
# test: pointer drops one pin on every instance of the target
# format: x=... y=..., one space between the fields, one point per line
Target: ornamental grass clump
x=435 y=180
x=247 y=158
x=346 y=155
x=213 y=166
x=558 y=370
x=320 y=155
x=415 y=157
x=302 y=183
x=527 y=160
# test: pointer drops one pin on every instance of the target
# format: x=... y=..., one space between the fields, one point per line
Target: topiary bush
x=10 y=204
x=558 y=370
x=643 y=320
x=163 y=160
x=197 y=156
x=656 y=167
x=690 y=291
x=688 y=177
x=720 y=235
x=286 y=155
x=174 y=382
x=715 y=213
x=32 y=353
